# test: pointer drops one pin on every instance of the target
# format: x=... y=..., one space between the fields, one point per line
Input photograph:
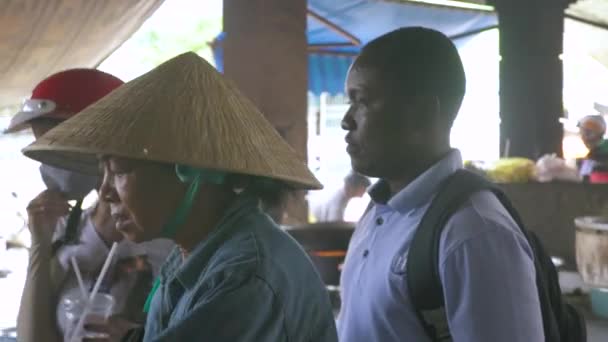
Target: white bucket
x=592 y=250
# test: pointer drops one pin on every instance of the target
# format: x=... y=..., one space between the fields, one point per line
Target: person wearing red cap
x=61 y=233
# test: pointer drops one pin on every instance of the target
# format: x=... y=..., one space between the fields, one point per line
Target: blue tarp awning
x=331 y=50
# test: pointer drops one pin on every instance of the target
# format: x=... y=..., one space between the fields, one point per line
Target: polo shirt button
x=365 y=253
x=379 y=221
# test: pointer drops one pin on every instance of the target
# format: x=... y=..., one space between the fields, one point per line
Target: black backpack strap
x=547 y=280
x=71 y=231
x=422 y=265
x=423 y=256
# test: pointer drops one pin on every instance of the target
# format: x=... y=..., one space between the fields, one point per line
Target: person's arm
x=36 y=320
x=249 y=312
x=490 y=287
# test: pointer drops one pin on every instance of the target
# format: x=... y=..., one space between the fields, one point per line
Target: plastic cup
x=71 y=308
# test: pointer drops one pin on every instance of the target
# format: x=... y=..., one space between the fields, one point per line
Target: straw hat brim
x=87 y=161
x=182 y=112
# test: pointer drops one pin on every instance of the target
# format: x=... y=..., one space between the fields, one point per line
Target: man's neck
x=413 y=171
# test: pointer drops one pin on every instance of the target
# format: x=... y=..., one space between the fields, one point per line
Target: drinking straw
x=87 y=306
x=83 y=289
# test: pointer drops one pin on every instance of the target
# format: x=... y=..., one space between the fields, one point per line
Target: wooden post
x=265 y=53
x=531 y=75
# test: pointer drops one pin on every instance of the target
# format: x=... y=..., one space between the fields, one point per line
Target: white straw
x=87 y=306
x=507 y=150
x=83 y=289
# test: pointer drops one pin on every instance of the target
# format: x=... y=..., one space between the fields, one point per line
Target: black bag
x=561 y=322
x=71 y=231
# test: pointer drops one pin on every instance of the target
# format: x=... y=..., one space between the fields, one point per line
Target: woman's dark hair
x=273 y=197
x=272 y=193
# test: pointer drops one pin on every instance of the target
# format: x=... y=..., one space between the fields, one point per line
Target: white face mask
x=74 y=185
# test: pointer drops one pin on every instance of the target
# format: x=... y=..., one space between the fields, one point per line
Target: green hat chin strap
x=195 y=177
x=180 y=215
x=151 y=295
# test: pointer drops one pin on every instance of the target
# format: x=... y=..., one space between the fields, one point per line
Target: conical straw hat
x=182 y=112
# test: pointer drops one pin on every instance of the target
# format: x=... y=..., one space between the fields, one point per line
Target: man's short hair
x=419 y=61
x=356 y=180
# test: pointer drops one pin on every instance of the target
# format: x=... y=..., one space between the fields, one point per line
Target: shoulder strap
x=71 y=231
x=423 y=280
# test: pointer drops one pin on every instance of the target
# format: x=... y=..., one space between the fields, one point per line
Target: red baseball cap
x=63 y=95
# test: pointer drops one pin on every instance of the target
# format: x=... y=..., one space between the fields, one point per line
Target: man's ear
x=432 y=108
x=429 y=109
x=437 y=112
x=437 y=106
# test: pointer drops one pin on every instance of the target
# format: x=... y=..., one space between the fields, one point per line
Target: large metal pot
x=592 y=250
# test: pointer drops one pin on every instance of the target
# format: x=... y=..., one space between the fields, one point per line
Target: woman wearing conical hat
x=184 y=154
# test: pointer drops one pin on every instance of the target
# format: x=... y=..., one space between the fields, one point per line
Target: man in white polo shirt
x=406 y=88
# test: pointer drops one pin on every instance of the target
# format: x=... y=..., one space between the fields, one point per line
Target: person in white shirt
x=355 y=185
x=61 y=232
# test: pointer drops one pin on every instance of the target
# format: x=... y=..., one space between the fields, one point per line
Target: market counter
x=549 y=210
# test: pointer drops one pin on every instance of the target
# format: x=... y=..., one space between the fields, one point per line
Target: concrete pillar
x=265 y=53
x=531 y=75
